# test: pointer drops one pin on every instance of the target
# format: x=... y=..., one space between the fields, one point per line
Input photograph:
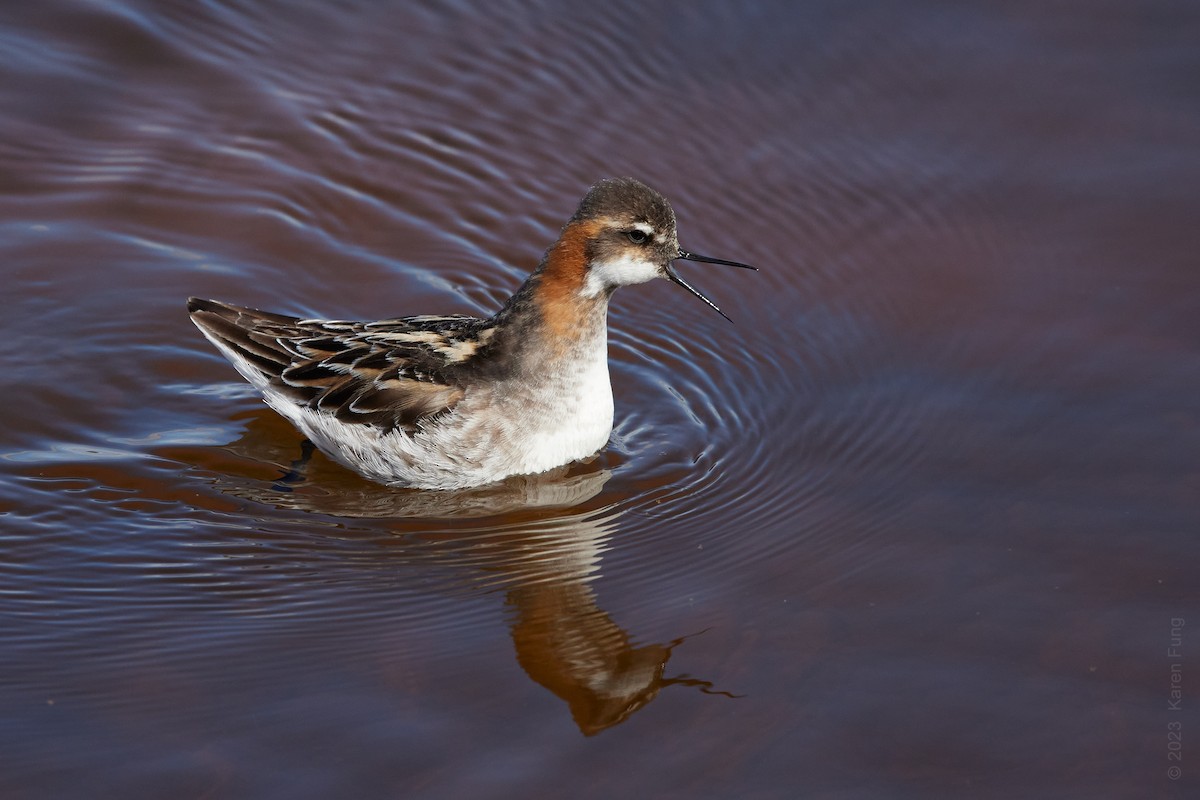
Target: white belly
x=508 y=428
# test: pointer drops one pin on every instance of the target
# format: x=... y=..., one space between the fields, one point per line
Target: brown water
x=919 y=525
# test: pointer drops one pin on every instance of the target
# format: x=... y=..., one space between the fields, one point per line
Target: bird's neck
x=550 y=316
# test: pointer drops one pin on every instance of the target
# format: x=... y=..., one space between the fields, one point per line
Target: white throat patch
x=624 y=271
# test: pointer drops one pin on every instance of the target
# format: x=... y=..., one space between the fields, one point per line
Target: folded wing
x=392 y=374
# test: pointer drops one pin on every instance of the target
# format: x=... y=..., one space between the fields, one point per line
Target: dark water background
x=919 y=525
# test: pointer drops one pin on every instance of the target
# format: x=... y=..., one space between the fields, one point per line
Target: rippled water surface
x=923 y=523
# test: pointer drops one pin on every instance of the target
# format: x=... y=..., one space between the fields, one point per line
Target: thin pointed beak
x=686 y=256
x=673 y=276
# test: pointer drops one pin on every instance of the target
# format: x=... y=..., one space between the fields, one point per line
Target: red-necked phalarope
x=452 y=402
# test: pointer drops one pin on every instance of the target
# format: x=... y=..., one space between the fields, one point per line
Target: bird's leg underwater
x=295 y=473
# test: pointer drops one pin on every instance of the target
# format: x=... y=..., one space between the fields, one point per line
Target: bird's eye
x=638 y=236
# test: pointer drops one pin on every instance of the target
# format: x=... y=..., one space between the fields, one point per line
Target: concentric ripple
x=344 y=186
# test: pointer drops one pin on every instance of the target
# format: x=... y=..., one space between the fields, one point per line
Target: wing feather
x=398 y=373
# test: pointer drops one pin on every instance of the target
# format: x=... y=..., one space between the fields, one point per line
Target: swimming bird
x=450 y=402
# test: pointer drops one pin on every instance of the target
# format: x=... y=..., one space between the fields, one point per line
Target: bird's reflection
x=544 y=550
x=568 y=644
